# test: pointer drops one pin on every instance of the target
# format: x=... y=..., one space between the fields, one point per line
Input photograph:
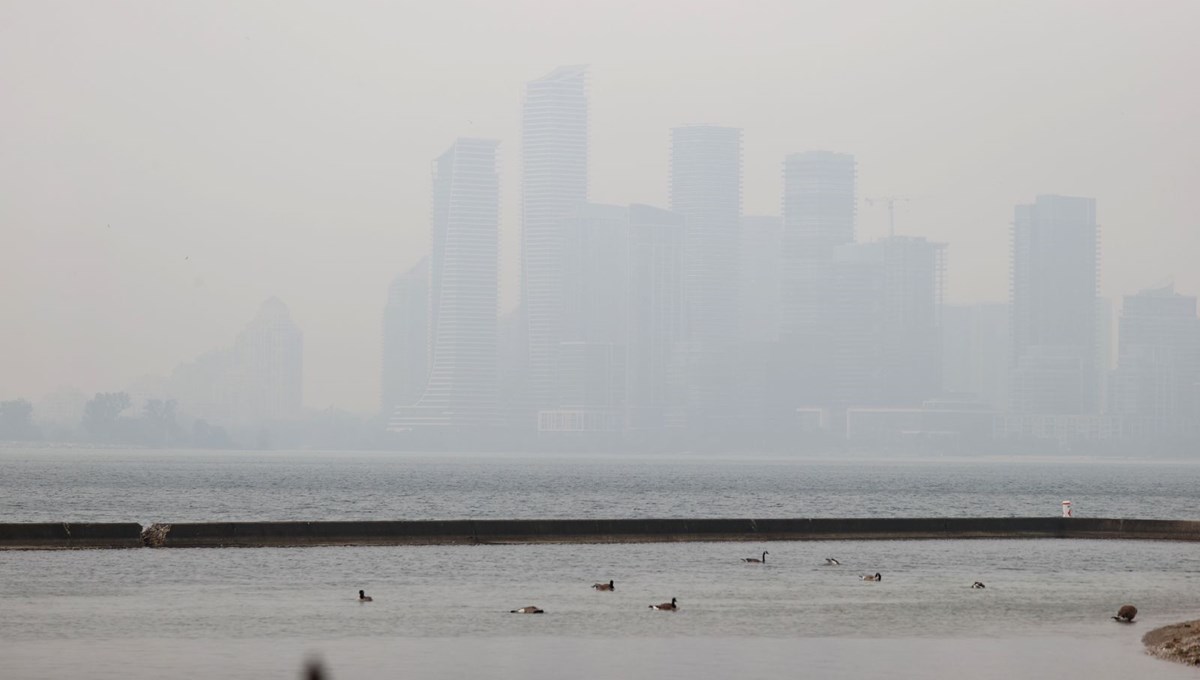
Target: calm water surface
x=158 y=486
x=442 y=611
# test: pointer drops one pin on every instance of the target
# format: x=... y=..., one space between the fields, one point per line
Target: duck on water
x=666 y=606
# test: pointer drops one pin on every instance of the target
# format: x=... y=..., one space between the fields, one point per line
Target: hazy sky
x=167 y=166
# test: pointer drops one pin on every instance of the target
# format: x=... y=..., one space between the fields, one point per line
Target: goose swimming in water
x=605 y=586
x=363 y=597
x=832 y=562
x=1126 y=613
x=869 y=577
x=666 y=606
x=528 y=610
x=755 y=560
x=978 y=584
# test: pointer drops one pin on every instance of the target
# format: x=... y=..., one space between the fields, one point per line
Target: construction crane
x=891 y=202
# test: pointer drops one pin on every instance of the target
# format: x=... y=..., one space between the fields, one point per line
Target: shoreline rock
x=1178 y=642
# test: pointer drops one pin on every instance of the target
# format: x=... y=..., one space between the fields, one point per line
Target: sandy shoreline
x=1178 y=642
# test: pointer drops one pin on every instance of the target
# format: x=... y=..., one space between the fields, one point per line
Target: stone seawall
x=250 y=534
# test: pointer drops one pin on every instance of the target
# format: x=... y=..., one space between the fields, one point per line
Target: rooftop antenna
x=891 y=202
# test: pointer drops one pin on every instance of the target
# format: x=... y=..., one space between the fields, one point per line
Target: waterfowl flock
x=1125 y=614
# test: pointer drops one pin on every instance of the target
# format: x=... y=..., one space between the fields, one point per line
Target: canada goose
x=978 y=584
x=363 y=597
x=528 y=610
x=832 y=562
x=868 y=577
x=666 y=606
x=1126 y=613
x=755 y=560
x=605 y=586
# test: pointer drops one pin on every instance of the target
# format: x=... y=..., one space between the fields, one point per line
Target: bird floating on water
x=528 y=610
x=666 y=606
x=978 y=584
x=755 y=560
x=605 y=586
x=363 y=597
x=832 y=562
x=868 y=577
x=1126 y=613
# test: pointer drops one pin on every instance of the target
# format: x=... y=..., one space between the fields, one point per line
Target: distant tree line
x=106 y=421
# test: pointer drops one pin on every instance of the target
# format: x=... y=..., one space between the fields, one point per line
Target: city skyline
x=325 y=203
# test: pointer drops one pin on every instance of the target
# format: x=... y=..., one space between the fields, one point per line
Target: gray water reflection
x=149 y=486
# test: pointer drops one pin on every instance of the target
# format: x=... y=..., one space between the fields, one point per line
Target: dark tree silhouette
x=101 y=413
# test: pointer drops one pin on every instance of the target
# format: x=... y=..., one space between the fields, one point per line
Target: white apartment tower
x=462 y=387
x=554 y=182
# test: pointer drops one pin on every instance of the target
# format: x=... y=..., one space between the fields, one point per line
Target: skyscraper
x=975 y=351
x=405 y=338
x=758 y=290
x=464 y=267
x=257 y=380
x=706 y=188
x=912 y=317
x=271 y=358
x=1158 y=369
x=1055 y=244
x=818 y=296
x=554 y=181
x=623 y=290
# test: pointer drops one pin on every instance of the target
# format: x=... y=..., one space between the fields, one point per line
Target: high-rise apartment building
x=819 y=209
x=1055 y=272
x=913 y=280
x=758 y=288
x=706 y=188
x=259 y=379
x=1158 y=365
x=405 y=339
x=975 y=349
x=271 y=355
x=554 y=182
x=818 y=296
x=622 y=319
x=461 y=390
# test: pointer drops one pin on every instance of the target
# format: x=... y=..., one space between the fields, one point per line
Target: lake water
x=443 y=611
x=154 y=486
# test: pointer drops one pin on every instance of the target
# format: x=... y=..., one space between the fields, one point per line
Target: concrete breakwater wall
x=71 y=535
x=251 y=534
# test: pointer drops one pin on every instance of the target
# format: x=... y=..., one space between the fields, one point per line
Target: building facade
x=1055 y=275
x=405 y=359
x=461 y=390
x=706 y=188
x=554 y=182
